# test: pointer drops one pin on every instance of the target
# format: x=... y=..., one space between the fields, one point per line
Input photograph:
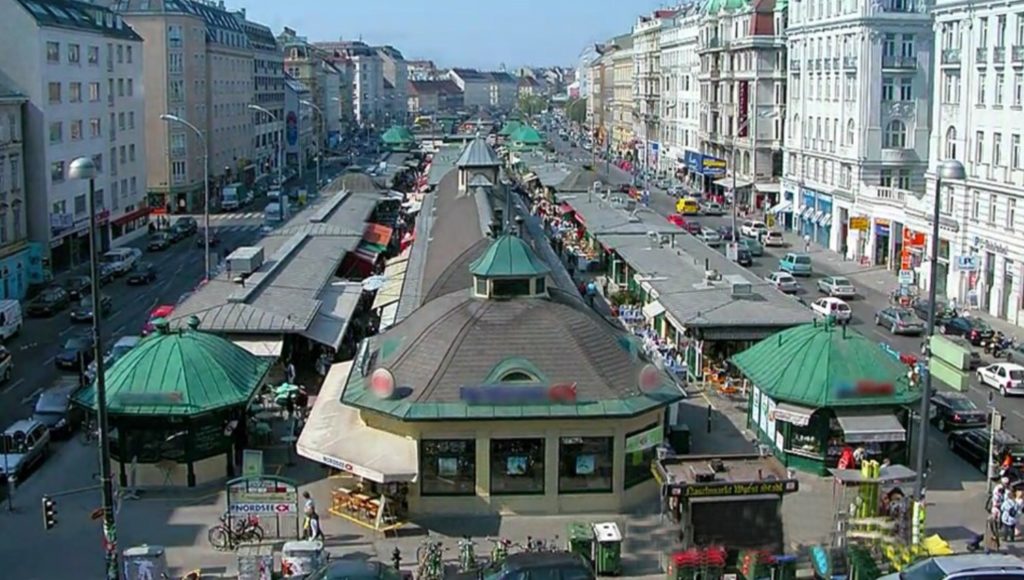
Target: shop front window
x=585 y=464
x=448 y=467
x=517 y=466
x=805 y=441
x=641 y=451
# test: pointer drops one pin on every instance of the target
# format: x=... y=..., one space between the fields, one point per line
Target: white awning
x=807 y=212
x=816 y=217
x=388 y=314
x=793 y=414
x=265 y=348
x=870 y=428
x=394 y=279
x=726 y=182
x=412 y=206
x=827 y=220
x=783 y=207
x=768 y=187
x=653 y=309
x=336 y=436
x=337 y=303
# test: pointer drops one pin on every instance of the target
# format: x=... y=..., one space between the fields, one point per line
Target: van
x=10 y=318
x=687 y=206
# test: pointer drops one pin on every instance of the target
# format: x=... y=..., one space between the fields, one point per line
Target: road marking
x=67 y=331
x=117 y=331
x=49 y=361
x=14 y=385
x=35 y=393
x=1018 y=414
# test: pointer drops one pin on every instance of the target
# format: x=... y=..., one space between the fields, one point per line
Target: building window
x=888 y=88
x=1018 y=89
x=94 y=92
x=76 y=130
x=975 y=205
x=56 y=132
x=128 y=54
x=53 y=52
x=906 y=90
x=895 y=135
x=981 y=89
x=979 y=146
x=997 y=149
x=97 y=160
x=80 y=206
x=54 y=92
x=1011 y=212
x=57 y=171
x=131 y=152
x=448 y=467
x=585 y=464
x=94 y=55
x=1015 y=152
x=951 y=88
x=951 y=143
x=95 y=128
x=851 y=129
x=517 y=466
x=992 y=209
x=641 y=451
x=75 y=92
x=74 y=54
x=946 y=203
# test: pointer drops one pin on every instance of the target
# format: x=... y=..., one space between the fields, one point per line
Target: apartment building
x=475 y=87
x=647 y=82
x=680 y=93
x=334 y=82
x=429 y=97
x=503 y=90
x=199 y=68
x=367 y=79
x=396 y=78
x=622 y=111
x=80 y=67
x=423 y=70
x=742 y=94
x=268 y=93
x=977 y=111
x=600 y=78
x=19 y=258
x=300 y=135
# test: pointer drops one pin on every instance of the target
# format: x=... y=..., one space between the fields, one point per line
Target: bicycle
x=90 y=433
x=467 y=555
x=223 y=537
x=540 y=545
x=430 y=560
x=499 y=550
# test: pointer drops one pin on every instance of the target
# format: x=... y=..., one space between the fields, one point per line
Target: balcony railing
x=951 y=56
x=999 y=55
x=1017 y=54
x=895 y=61
x=981 y=55
x=893 y=196
x=849 y=62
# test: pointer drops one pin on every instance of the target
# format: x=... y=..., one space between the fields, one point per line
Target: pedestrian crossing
x=225 y=217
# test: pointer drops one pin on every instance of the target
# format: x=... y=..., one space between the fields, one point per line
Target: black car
x=973 y=329
x=547 y=565
x=743 y=257
x=187 y=224
x=159 y=242
x=78 y=286
x=107 y=273
x=54 y=409
x=143 y=273
x=214 y=239
x=76 y=353
x=49 y=302
x=345 y=569
x=951 y=410
x=973 y=445
x=82 y=312
x=942 y=313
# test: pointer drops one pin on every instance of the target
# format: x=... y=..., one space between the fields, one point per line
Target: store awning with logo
x=376 y=238
x=768 y=187
x=335 y=435
x=826 y=220
x=878 y=427
x=807 y=212
x=783 y=207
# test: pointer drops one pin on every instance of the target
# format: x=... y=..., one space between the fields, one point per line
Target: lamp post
x=323 y=135
x=280 y=145
x=83 y=168
x=950 y=169
x=167 y=117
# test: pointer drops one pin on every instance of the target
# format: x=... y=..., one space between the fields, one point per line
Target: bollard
x=709 y=418
x=396 y=558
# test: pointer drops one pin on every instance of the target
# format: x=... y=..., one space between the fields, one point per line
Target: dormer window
x=509 y=269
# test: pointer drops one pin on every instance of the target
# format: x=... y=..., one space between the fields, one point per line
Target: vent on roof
x=739 y=285
x=712 y=275
x=245 y=260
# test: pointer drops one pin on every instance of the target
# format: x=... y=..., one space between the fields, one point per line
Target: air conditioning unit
x=739 y=286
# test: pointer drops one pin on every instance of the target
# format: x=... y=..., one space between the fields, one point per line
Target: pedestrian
x=591 y=292
x=308 y=505
x=289 y=372
x=1009 y=515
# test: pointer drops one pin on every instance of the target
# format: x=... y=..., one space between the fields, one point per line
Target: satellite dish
x=374 y=283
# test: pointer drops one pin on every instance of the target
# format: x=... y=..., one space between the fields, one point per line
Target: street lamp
x=323 y=135
x=206 y=184
x=948 y=170
x=280 y=145
x=83 y=168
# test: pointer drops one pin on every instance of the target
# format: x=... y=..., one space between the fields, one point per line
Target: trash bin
x=300 y=558
x=679 y=439
x=580 y=540
x=607 y=549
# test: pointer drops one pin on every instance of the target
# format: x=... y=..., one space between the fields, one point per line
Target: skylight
x=61 y=15
x=37 y=9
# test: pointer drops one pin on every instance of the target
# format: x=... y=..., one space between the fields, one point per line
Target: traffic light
x=49 y=513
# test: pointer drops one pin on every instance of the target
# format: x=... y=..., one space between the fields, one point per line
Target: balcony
x=794 y=64
x=981 y=55
x=951 y=56
x=999 y=55
x=1017 y=54
x=817 y=64
x=899 y=62
x=827 y=63
x=849 y=62
x=891 y=196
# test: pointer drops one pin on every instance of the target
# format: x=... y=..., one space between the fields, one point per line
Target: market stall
x=826 y=396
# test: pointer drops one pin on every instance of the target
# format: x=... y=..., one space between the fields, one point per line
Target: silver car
x=24 y=444
x=784 y=281
x=711 y=237
x=837 y=287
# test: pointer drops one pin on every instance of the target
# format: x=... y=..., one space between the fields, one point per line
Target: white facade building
x=647 y=86
x=977 y=107
x=680 y=89
x=860 y=85
x=19 y=259
x=81 y=69
x=300 y=142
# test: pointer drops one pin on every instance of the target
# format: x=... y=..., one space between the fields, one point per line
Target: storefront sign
x=737 y=488
x=694 y=161
x=861 y=224
x=912 y=239
x=991 y=246
x=263 y=495
x=743 y=117
x=645 y=439
x=864 y=388
x=712 y=166
x=881 y=227
x=906 y=277
x=967 y=263
x=503 y=394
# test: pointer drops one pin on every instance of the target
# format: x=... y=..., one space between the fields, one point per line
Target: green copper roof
x=509 y=257
x=398 y=134
x=716 y=6
x=526 y=136
x=510 y=128
x=180 y=374
x=819 y=365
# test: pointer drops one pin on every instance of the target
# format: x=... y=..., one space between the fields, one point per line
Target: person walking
x=1009 y=514
x=289 y=372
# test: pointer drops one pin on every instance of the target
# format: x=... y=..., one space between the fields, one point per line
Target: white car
x=122 y=260
x=833 y=307
x=773 y=239
x=753 y=229
x=837 y=287
x=710 y=237
x=1007 y=377
x=784 y=281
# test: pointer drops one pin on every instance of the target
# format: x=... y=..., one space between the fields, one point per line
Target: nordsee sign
x=505 y=394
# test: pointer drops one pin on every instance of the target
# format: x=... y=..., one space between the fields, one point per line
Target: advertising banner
x=743 y=117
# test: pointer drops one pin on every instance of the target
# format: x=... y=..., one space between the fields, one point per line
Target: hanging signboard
x=263 y=496
x=727 y=489
x=906 y=277
x=861 y=224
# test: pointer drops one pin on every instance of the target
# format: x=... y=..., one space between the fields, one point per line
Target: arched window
x=951 y=143
x=895 y=135
x=851 y=129
x=518 y=377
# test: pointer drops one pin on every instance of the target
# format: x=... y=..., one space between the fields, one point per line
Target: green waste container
x=580 y=538
x=607 y=549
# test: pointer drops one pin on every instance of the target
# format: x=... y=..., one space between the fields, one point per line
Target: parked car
x=50 y=301
x=10 y=318
x=900 y=321
x=755 y=247
x=753 y=228
x=796 y=264
x=54 y=409
x=973 y=358
x=973 y=329
x=78 y=286
x=773 y=239
x=546 y=565
x=951 y=410
x=107 y=273
x=973 y=445
x=82 y=312
x=162 y=311
x=76 y=351
x=201 y=239
x=942 y=313
x=963 y=567
x=144 y=273
x=1008 y=378
x=123 y=260
x=833 y=307
x=713 y=209
x=784 y=281
x=710 y=237
x=159 y=242
x=743 y=257
x=837 y=287
x=177 y=233
x=120 y=348
x=6 y=364
x=25 y=444
x=353 y=569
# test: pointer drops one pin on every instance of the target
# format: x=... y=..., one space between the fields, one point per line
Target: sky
x=469 y=33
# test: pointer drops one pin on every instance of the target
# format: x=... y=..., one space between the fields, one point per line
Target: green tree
x=576 y=110
x=530 y=105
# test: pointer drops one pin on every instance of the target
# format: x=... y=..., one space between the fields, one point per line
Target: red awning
x=134 y=215
x=377 y=234
x=579 y=218
x=565 y=207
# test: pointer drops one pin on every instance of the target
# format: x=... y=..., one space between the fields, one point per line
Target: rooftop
x=8 y=92
x=439 y=86
x=215 y=16
x=79 y=16
x=604 y=214
x=441 y=163
x=469 y=74
x=700 y=470
x=478 y=154
x=509 y=257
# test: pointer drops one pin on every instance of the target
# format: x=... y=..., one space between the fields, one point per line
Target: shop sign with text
x=712 y=166
x=733 y=489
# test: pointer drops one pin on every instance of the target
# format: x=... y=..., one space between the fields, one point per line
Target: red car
x=691 y=226
x=162 y=311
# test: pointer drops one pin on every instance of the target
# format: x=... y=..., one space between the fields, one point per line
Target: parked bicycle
x=430 y=560
x=225 y=537
x=499 y=550
x=467 y=554
x=539 y=545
